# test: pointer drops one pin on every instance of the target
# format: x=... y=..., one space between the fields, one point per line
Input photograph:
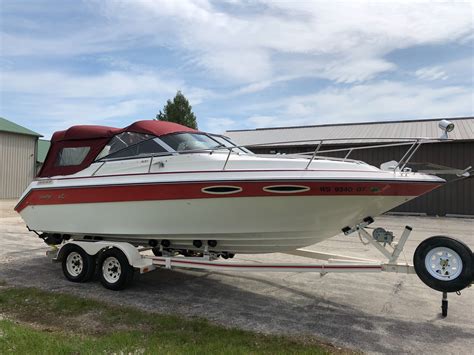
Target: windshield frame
x=170 y=151
x=166 y=147
x=232 y=144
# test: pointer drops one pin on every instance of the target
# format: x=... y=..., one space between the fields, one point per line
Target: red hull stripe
x=178 y=191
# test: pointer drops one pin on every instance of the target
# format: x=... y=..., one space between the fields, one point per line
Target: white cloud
x=238 y=52
x=368 y=102
x=261 y=121
x=105 y=85
x=263 y=84
x=241 y=66
x=346 y=41
x=431 y=73
x=218 y=124
x=48 y=114
x=353 y=71
x=62 y=99
x=129 y=82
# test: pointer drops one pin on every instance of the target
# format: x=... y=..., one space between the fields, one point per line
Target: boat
x=107 y=196
x=162 y=185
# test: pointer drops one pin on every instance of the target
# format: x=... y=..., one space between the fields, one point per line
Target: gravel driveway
x=376 y=313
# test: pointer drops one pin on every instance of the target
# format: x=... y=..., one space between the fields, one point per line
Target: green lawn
x=33 y=321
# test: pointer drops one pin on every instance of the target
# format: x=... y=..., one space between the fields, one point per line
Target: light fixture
x=446 y=126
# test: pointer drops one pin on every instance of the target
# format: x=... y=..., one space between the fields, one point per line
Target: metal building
x=18 y=146
x=456 y=198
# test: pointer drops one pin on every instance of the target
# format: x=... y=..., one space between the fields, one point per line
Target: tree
x=179 y=111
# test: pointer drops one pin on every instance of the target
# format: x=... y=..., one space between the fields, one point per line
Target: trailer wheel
x=77 y=265
x=444 y=264
x=115 y=271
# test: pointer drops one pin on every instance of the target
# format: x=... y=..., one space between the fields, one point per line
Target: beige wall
x=17 y=163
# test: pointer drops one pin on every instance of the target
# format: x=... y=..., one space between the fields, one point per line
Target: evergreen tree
x=179 y=111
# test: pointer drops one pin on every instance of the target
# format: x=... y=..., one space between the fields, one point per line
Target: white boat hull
x=141 y=200
x=239 y=225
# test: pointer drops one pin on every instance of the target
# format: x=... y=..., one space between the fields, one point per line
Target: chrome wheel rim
x=443 y=263
x=74 y=264
x=111 y=269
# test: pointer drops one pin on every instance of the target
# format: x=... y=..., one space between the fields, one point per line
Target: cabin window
x=72 y=156
x=145 y=148
x=122 y=141
x=190 y=141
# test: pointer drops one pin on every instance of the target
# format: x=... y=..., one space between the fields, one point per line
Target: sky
x=241 y=64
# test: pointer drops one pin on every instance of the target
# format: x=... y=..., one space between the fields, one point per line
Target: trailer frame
x=135 y=259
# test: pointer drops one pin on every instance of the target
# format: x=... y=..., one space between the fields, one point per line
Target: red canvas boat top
x=95 y=138
x=153 y=127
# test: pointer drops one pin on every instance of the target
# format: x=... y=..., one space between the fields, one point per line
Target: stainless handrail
x=414 y=143
x=314 y=155
x=405 y=155
x=356 y=148
x=227 y=159
x=348 y=153
x=409 y=157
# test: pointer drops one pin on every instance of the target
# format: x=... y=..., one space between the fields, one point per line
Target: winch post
x=401 y=244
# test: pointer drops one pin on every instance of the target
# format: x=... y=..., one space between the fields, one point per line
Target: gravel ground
x=375 y=313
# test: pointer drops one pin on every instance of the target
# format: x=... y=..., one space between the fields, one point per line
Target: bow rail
x=318 y=153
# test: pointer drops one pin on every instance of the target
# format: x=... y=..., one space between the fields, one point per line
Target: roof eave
x=33 y=134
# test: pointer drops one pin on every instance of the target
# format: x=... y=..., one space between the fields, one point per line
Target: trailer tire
x=156 y=251
x=77 y=265
x=115 y=272
x=444 y=264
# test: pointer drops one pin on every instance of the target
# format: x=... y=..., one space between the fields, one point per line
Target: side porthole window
x=286 y=189
x=221 y=190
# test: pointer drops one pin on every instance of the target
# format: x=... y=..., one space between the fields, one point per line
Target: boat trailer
x=443 y=263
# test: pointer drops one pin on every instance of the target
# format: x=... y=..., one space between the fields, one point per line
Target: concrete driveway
x=375 y=313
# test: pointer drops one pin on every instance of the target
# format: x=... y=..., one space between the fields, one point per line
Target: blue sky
x=242 y=64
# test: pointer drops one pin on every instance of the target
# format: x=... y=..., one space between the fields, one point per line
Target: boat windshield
x=142 y=149
x=130 y=145
x=190 y=141
x=122 y=141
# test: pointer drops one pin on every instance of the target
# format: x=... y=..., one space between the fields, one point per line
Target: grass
x=33 y=321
